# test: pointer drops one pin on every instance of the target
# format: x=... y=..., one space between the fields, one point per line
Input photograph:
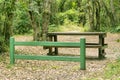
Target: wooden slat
x=80 y=33
x=58 y=44
x=88 y=45
x=53 y=44
x=53 y=58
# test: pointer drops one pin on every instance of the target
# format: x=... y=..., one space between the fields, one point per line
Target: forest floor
x=59 y=70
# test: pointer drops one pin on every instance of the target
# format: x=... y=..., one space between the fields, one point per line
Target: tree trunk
x=6 y=33
x=36 y=28
x=34 y=19
x=109 y=13
x=91 y=15
x=7 y=30
x=113 y=11
x=97 y=27
x=45 y=19
x=94 y=15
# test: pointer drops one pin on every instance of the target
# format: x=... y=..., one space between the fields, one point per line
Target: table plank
x=76 y=33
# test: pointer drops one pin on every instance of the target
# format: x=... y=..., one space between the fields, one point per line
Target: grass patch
x=112 y=71
x=66 y=28
x=71 y=28
x=4 y=61
x=3 y=57
x=118 y=40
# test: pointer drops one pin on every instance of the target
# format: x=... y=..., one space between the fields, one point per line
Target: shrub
x=22 y=28
x=3 y=46
x=117 y=29
x=70 y=15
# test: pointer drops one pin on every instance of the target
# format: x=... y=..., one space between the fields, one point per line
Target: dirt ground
x=59 y=70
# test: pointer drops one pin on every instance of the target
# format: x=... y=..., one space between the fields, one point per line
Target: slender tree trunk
x=97 y=16
x=36 y=28
x=91 y=15
x=109 y=13
x=45 y=19
x=80 y=10
x=112 y=6
x=113 y=11
x=35 y=24
x=7 y=12
x=7 y=30
x=94 y=15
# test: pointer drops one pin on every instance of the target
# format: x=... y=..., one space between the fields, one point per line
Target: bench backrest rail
x=81 y=58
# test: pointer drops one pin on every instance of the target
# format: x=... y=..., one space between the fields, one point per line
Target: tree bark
x=94 y=15
x=91 y=12
x=7 y=30
x=97 y=26
x=109 y=13
x=36 y=28
x=45 y=19
x=34 y=23
x=7 y=12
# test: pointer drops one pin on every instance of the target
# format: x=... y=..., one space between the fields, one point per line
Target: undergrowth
x=112 y=71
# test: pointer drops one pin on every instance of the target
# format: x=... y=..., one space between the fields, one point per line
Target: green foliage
x=118 y=40
x=3 y=46
x=21 y=21
x=117 y=29
x=2 y=57
x=22 y=25
x=70 y=15
x=110 y=19
x=54 y=28
x=61 y=18
x=62 y=12
x=112 y=71
x=22 y=28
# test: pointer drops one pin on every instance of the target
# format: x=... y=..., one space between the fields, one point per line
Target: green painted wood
x=45 y=43
x=81 y=44
x=12 y=49
x=53 y=58
x=57 y=44
x=82 y=54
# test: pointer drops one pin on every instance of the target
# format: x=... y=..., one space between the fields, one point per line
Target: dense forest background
x=42 y=16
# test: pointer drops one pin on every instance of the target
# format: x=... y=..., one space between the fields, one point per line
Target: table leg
x=50 y=48
x=101 y=53
x=101 y=50
x=56 y=48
